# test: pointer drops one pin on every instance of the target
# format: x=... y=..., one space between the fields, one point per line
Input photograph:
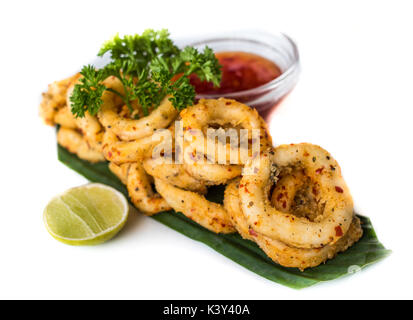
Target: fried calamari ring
x=65 y=118
x=131 y=129
x=221 y=112
x=208 y=214
x=92 y=130
x=141 y=193
x=226 y=114
x=121 y=171
x=89 y=125
x=75 y=143
x=55 y=99
x=307 y=258
x=213 y=174
x=174 y=174
x=279 y=252
x=206 y=165
x=139 y=187
x=120 y=152
x=327 y=185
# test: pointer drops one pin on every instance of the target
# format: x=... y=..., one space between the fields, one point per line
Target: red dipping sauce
x=240 y=71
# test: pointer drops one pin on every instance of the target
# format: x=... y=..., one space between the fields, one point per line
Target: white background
x=354 y=98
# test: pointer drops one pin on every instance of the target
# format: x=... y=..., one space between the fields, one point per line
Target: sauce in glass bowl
x=259 y=68
x=240 y=71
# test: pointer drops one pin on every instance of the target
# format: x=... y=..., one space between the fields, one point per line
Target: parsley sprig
x=149 y=66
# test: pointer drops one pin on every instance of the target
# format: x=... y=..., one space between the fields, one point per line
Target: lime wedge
x=86 y=215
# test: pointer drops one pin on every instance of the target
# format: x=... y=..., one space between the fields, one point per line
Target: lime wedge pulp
x=86 y=215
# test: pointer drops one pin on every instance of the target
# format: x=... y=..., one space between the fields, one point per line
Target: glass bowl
x=277 y=48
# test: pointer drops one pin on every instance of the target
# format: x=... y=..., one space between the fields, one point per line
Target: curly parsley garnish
x=150 y=66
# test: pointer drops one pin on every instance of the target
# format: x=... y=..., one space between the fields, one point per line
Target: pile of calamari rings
x=291 y=200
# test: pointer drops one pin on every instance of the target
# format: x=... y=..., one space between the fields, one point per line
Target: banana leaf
x=246 y=253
